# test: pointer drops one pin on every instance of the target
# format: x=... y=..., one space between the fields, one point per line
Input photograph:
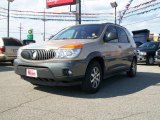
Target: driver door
x=112 y=50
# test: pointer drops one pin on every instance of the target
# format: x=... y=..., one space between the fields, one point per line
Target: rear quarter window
x=11 y=42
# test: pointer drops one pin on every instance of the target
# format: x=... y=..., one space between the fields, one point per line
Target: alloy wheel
x=95 y=77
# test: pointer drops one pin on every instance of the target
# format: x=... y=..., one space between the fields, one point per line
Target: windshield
x=79 y=32
x=148 y=45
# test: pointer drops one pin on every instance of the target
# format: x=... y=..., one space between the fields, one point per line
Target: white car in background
x=8 y=49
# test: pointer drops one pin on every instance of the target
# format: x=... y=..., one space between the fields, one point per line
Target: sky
x=134 y=19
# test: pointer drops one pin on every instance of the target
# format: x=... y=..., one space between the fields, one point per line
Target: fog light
x=67 y=72
x=70 y=72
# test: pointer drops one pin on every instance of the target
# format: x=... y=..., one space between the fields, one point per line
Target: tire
x=93 y=78
x=150 y=60
x=12 y=62
x=133 y=69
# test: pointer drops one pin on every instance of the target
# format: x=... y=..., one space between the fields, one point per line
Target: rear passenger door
x=11 y=46
x=126 y=47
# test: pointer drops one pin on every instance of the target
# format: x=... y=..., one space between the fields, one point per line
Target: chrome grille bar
x=39 y=54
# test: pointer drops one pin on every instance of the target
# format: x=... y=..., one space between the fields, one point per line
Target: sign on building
x=55 y=3
x=30 y=34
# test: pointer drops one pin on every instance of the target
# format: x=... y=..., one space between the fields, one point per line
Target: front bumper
x=3 y=57
x=52 y=73
x=141 y=58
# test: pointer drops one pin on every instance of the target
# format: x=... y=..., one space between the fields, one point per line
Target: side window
x=122 y=36
x=112 y=29
x=152 y=45
x=67 y=35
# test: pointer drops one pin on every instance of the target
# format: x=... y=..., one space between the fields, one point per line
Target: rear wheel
x=133 y=69
x=150 y=60
x=93 y=78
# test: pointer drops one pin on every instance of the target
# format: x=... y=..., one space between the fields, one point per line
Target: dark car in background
x=138 y=44
x=147 y=51
x=27 y=42
x=157 y=57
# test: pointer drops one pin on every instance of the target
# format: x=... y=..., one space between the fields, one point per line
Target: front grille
x=38 y=79
x=38 y=54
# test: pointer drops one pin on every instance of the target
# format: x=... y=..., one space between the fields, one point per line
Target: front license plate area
x=31 y=73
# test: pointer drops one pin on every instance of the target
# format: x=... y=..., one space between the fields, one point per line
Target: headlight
x=142 y=53
x=19 y=52
x=69 y=51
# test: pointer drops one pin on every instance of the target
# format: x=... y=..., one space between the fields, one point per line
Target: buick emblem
x=34 y=55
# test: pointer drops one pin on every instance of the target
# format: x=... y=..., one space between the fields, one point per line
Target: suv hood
x=55 y=44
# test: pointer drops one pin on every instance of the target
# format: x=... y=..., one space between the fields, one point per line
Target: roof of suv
x=101 y=24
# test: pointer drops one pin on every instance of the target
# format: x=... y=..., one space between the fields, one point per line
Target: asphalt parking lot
x=120 y=98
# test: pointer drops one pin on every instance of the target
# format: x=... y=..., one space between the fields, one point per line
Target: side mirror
x=109 y=36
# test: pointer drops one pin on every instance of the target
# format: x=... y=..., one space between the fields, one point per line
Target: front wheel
x=150 y=60
x=133 y=69
x=93 y=78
